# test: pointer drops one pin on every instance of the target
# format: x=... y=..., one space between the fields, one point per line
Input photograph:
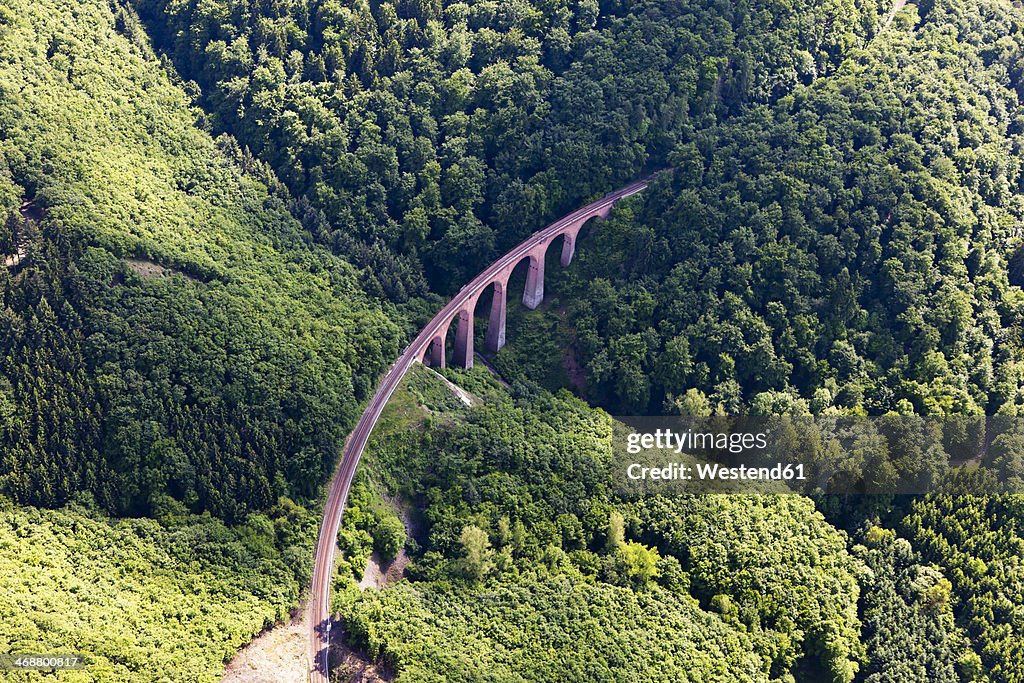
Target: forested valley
x=174 y=350
x=855 y=246
x=222 y=219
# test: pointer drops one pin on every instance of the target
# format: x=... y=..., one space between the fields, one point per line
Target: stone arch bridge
x=429 y=346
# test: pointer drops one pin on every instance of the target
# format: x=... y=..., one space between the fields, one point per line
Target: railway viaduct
x=497 y=276
x=429 y=347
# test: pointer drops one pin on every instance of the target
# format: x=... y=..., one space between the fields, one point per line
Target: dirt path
x=281 y=655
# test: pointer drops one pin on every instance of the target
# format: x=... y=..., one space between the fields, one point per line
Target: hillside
x=434 y=134
x=854 y=246
x=142 y=600
x=526 y=562
x=173 y=332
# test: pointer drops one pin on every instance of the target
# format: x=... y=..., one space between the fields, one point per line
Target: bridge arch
x=434 y=351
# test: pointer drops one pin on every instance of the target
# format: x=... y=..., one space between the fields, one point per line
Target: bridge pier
x=533 y=296
x=568 y=248
x=464 y=340
x=437 y=353
x=496 y=324
x=534 y=293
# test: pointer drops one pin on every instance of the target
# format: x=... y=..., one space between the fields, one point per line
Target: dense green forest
x=173 y=331
x=525 y=560
x=854 y=246
x=526 y=563
x=221 y=219
x=431 y=134
x=977 y=539
x=168 y=599
x=908 y=619
x=851 y=247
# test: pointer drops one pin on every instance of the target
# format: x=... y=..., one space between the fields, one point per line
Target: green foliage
x=533 y=628
x=517 y=507
x=389 y=536
x=974 y=535
x=144 y=601
x=477 y=552
x=539 y=350
x=616 y=531
x=640 y=563
x=771 y=563
x=172 y=331
x=443 y=131
x=909 y=629
x=851 y=245
x=371 y=524
x=839 y=236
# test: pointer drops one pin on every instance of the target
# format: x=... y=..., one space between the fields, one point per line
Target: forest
x=848 y=248
x=430 y=135
x=174 y=332
x=221 y=220
x=523 y=554
x=522 y=542
x=855 y=246
x=168 y=598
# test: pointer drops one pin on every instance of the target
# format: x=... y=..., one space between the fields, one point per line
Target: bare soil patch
x=278 y=655
x=379 y=574
x=147 y=269
x=14 y=259
x=30 y=213
x=351 y=667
